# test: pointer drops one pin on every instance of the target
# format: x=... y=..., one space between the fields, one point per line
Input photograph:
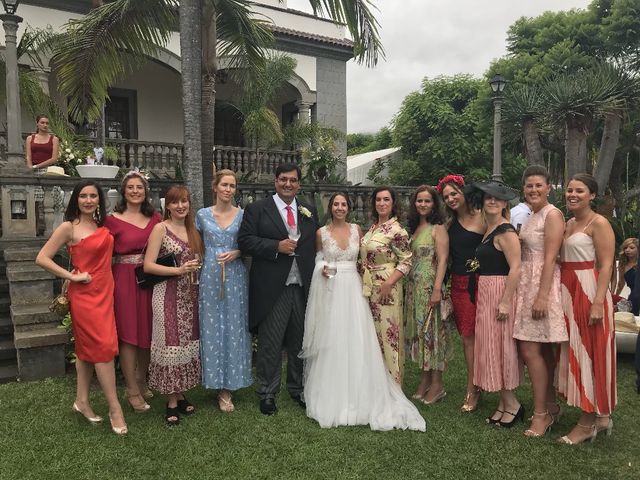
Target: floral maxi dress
x=427 y=330
x=383 y=249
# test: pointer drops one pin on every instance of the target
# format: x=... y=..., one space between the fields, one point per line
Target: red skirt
x=464 y=311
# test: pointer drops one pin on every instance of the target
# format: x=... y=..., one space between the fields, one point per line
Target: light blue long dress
x=225 y=342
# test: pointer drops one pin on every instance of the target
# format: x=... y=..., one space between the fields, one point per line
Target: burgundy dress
x=132 y=304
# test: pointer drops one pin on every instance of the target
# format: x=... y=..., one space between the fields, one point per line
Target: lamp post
x=15 y=158
x=498 y=82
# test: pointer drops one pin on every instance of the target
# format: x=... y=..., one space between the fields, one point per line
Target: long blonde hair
x=622 y=258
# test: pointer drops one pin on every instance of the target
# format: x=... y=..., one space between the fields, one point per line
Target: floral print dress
x=383 y=249
x=428 y=328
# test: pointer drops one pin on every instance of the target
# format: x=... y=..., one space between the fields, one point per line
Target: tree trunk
x=209 y=71
x=191 y=51
x=617 y=185
x=575 y=149
x=608 y=147
x=533 y=147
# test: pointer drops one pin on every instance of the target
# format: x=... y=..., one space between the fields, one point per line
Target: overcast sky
x=427 y=38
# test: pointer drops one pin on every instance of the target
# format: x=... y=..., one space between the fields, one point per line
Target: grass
x=41 y=438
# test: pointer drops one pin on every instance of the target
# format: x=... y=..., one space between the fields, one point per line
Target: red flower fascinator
x=457 y=179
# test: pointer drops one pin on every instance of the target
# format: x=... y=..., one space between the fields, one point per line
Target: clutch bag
x=148 y=280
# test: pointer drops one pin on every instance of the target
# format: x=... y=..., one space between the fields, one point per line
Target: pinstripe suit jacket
x=261 y=230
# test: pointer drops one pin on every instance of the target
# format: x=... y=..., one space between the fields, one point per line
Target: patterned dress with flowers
x=428 y=328
x=175 y=341
x=383 y=249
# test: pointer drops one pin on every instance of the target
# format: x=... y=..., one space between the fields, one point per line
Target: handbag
x=149 y=280
x=60 y=304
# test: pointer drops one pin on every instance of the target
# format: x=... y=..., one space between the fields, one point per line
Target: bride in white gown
x=345 y=380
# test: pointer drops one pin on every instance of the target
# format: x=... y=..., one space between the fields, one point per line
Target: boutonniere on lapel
x=304 y=211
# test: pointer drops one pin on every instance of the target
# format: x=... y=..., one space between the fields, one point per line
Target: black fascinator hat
x=475 y=192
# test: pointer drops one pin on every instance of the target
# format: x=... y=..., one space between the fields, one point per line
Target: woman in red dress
x=131 y=223
x=41 y=147
x=90 y=247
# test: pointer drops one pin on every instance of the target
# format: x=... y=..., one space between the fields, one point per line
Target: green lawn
x=41 y=438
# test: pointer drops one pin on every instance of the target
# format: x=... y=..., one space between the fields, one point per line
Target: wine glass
x=294 y=234
x=331 y=269
x=194 y=276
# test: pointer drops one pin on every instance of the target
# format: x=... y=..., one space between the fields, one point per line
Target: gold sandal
x=467 y=406
x=225 y=404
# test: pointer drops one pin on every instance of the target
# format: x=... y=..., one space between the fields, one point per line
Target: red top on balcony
x=41 y=152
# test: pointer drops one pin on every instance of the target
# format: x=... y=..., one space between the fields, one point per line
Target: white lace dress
x=346 y=381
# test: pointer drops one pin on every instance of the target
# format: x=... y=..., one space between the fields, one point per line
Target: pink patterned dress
x=586 y=374
x=551 y=329
x=175 y=341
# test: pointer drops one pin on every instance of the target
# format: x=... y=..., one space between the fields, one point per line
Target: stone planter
x=97 y=171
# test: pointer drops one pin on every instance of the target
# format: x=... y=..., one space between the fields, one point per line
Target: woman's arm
x=151 y=255
x=619 y=285
x=441 y=240
x=27 y=151
x=399 y=243
x=605 y=245
x=553 y=232
x=510 y=246
x=59 y=238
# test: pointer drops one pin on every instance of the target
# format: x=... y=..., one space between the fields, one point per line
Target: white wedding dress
x=345 y=380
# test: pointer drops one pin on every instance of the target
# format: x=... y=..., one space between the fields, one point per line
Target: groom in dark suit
x=279 y=282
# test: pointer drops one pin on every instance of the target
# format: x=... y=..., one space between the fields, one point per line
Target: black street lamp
x=498 y=82
x=15 y=159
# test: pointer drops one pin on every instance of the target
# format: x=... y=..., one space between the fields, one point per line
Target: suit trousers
x=284 y=325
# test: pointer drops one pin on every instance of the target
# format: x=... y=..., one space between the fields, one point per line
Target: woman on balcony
x=224 y=323
x=41 y=147
x=131 y=223
x=385 y=257
x=90 y=292
x=465 y=229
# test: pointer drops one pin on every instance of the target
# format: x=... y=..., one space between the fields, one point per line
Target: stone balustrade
x=164 y=160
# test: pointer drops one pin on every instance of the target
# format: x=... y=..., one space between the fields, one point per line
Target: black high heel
x=519 y=415
x=492 y=421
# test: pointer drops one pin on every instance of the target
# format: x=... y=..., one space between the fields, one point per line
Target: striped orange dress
x=586 y=374
x=496 y=365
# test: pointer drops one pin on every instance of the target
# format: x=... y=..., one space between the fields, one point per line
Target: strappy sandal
x=532 y=433
x=467 y=406
x=591 y=438
x=225 y=404
x=186 y=408
x=172 y=416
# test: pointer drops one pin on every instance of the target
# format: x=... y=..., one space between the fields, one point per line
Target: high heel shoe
x=594 y=432
x=418 y=396
x=92 y=420
x=556 y=414
x=138 y=407
x=532 y=433
x=118 y=430
x=492 y=421
x=608 y=427
x=519 y=415
x=467 y=406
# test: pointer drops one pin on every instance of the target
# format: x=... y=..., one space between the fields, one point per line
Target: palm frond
x=262 y=125
x=106 y=43
x=361 y=22
x=244 y=36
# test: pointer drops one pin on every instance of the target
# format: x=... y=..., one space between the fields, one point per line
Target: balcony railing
x=164 y=160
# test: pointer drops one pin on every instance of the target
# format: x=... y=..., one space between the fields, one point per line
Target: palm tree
x=522 y=107
x=112 y=38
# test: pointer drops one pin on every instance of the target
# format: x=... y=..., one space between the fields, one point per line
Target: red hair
x=175 y=194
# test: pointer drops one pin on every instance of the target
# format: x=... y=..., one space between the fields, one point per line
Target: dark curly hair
x=435 y=217
x=395 y=208
x=72 y=213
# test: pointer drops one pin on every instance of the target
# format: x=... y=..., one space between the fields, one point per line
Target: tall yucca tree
x=523 y=108
x=573 y=101
x=111 y=39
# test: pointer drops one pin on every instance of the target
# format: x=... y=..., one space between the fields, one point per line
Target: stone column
x=42 y=74
x=15 y=163
x=304 y=111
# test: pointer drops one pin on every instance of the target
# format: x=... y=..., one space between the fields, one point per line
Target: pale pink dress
x=551 y=329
